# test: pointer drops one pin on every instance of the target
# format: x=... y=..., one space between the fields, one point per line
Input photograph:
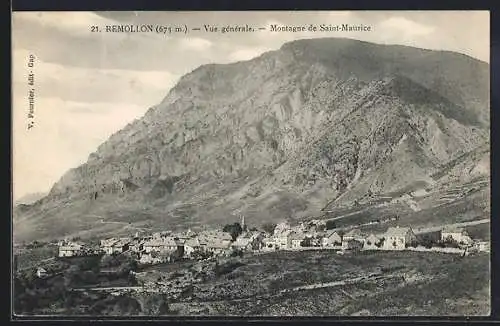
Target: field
x=28 y=258
x=323 y=282
x=285 y=283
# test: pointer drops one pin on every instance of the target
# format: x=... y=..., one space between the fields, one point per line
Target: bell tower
x=243 y=226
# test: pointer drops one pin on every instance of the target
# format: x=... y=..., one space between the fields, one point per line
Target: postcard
x=251 y=164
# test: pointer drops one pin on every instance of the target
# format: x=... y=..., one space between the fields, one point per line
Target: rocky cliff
x=316 y=123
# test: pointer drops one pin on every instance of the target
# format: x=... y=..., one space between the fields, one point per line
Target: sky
x=88 y=85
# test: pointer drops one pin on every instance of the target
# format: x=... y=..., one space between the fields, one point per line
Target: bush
x=330 y=225
x=380 y=243
x=306 y=242
x=236 y=253
x=269 y=227
x=200 y=254
x=156 y=305
x=412 y=244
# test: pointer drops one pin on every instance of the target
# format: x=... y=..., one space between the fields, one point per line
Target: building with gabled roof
x=354 y=234
x=331 y=238
x=296 y=239
x=69 y=249
x=398 y=238
x=162 y=245
x=459 y=235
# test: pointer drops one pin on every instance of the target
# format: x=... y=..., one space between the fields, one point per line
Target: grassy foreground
x=395 y=283
x=319 y=282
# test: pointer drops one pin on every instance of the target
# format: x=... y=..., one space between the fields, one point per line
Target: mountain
x=316 y=124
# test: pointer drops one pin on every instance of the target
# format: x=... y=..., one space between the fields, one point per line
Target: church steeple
x=243 y=226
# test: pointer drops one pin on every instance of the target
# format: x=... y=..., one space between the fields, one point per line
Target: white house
x=283 y=240
x=331 y=239
x=458 y=234
x=269 y=244
x=41 y=272
x=120 y=246
x=106 y=245
x=243 y=243
x=215 y=235
x=162 y=245
x=354 y=234
x=218 y=247
x=398 y=238
x=69 y=249
x=193 y=245
x=296 y=240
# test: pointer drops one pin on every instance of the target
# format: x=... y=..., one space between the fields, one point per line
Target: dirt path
x=457 y=225
x=111 y=288
x=332 y=284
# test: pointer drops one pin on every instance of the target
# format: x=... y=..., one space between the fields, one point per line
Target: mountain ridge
x=284 y=134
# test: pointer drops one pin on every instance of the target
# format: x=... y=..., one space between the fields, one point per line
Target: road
x=335 y=283
x=111 y=288
x=454 y=225
x=125 y=224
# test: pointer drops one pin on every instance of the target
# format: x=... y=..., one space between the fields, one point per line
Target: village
x=236 y=239
x=193 y=270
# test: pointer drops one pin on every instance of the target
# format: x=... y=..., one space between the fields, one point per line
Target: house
x=215 y=235
x=106 y=245
x=243 y=243
x=458 y=234
x=161 y=245
x=195 y=244
x=136 y=246
x=373 y=241
x=269 y=244
x=296 y=240
x=484 y=246
x=283 y=239
x=120 y=246
x=41 y=272
x=331 y=239
x=218 y=247
x=354 y=234
x=69 y=249
x=398 y=238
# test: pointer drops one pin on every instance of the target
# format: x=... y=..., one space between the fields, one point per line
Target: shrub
x=306 y=242
x=200 y=254
x=330 y=225
x=269 y=227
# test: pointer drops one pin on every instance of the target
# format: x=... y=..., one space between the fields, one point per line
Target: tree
x=330 y=225
x=306 y=242
x=234 y=229
x=380 y=243
x=269 y=227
